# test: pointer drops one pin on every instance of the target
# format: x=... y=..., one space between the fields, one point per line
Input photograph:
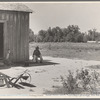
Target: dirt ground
x=45 y=77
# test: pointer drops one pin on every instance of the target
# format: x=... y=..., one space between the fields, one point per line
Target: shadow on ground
x=44 y=63
x=27 y=84
x=27 y=64
x=4 y=67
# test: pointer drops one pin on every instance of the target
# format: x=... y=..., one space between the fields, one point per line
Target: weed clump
x=83 y=81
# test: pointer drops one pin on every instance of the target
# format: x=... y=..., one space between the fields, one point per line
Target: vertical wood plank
x=6 y=34
x=21 y=37
x=27 y=36
x=18 y=35
x=11 y=35
x=14 y=38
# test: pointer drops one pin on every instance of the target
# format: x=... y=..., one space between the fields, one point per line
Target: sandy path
x=44 y=77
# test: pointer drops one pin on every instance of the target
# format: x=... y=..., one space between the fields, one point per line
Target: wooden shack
x=14 y=31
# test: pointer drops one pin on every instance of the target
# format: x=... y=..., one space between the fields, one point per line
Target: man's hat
x=37 y=47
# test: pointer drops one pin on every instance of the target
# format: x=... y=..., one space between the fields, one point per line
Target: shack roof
x=15 y=7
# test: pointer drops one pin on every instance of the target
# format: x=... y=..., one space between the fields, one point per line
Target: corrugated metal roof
x=15 y=7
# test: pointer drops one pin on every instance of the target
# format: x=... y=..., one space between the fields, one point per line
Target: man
x=36 y=55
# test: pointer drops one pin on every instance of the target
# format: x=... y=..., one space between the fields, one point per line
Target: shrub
x=83 y=80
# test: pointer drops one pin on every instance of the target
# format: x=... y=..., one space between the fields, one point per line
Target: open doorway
x=1 y=40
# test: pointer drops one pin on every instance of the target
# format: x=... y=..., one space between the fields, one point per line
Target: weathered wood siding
x=16 y=29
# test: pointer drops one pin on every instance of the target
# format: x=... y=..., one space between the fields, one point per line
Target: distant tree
x=49 y=35
x=35 y=38
x=54 y=32
x=49 y=31
x=79 y=38
x=73 y=31
x=65 y=32
x=73 y=28
x=70 y=37
x=31 y=35
x=41 y=35
x=93 y=35
x=85 y=37
x=59 y=34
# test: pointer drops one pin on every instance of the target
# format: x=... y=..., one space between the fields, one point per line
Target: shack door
x=1 y=40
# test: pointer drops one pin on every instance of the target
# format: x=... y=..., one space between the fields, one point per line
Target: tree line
x=70 y=34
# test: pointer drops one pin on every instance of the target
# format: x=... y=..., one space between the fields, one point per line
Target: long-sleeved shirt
x=37 y=53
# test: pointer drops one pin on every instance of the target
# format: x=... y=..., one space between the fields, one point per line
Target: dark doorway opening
x=1 y=40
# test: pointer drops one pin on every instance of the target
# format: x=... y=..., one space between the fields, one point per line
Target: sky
x=84 y=14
